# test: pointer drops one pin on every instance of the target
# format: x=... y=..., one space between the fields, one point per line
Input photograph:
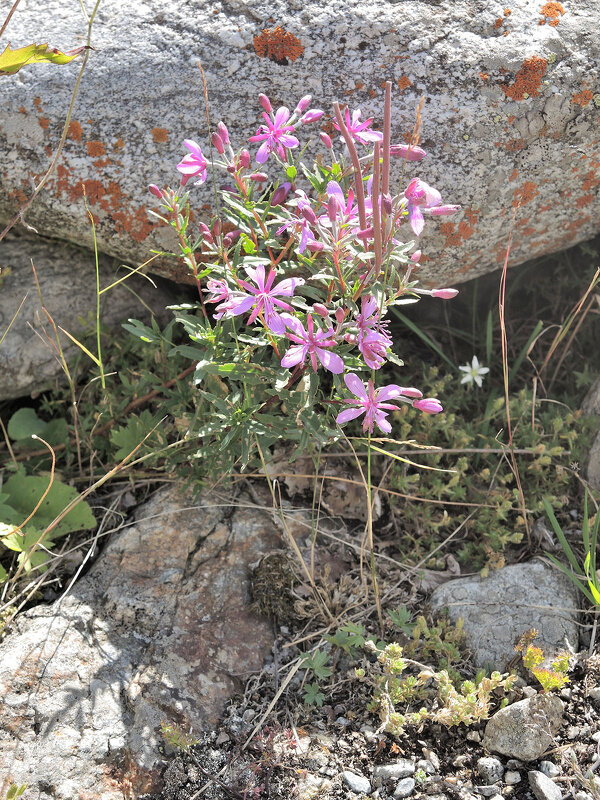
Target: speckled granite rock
x=497 y=610
x=525 y=730
x=67 y=280
x=591 y=407
x=159 y=629
x=510 y=116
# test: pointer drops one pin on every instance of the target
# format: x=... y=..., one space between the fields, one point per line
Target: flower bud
x=231 y=169
x=223 y=132
x=320 y=309
x=309 y=214
x=244 y=159
x=206 y=234
x=265 y=103
x=416 y=257
x=259 y=177
x=315 y=247
x=386 y=201
x=326 y=140
x=230 y=238
x=312 y=116
x=366 y=234
x=217 y=143
x=332 y=208
x=429 y=405
x=280 y=194
x=303 y=104
x=409 y=391
x=407 y=151
x=445 y=294
x=441 y=211
x=340 y=315
x=153 y=189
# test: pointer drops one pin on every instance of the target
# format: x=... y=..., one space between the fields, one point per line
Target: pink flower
x=153 y=189
x=262 y=297
x=312 y=343
x=218 y=291
x=420 y=197
x=312 y=115
x=373 y=340
x=275 y=135
x=358 y=130
x=370 y=402
x=430 y=405
x=192 y=165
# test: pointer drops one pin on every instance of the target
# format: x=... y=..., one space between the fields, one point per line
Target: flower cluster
x=314 y=265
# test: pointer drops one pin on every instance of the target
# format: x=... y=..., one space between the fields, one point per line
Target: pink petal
x=295 y=355
x=281 y=117
x=287 y=287
x=330 y=361
x=356 y=386
x=348 y=414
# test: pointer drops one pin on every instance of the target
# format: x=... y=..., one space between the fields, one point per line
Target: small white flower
x=474 y=372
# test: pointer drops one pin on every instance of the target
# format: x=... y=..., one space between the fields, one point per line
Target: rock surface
x=591 y=407
x=510 y=117
x=499 y=609
x=525 y=730
x=542 y=787
x=67 y=280
x=159 y=629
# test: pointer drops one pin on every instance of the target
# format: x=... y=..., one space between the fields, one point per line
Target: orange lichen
x=484 y=76
x=160 y=135
x=507 y=12
x=404 y=82
x=511 y=119
x=278 y=45
x=525 y=194
x=590 y=180
x=75 y=131
x=528 y=79
x=513 y=175
x=119 y=144
x=551 y=12
x=37 y=102
x=584 y=200
x=44 y=122
x=456 y=235
x=95 y=149
x=583 y=98
x=498 y=22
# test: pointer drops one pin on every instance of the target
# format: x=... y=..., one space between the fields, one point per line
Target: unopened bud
x=332 y=208
x=230 y=238
x=280 y=194
x=231 y=169
x=244 y=159
x=387 y=203
x=265 y=103
x=315 y=247
x=326 y=140
x=366 y=234
x=312 y=116
x=218 y=143
x=153 y=189
x=223 y=132
x=445 y=294
x=309 y=215
x=407 y=151
x=416 y=257
x=409 y=391
x=320 y=309
x=442 y=211
x=303 y=103
x=340 y=315
x=430 y=405
x=259 y=177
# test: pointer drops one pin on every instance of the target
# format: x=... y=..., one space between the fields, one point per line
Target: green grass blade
x=422 y=335
x=580 y=585
x=561 y=537
x=489 y=337
x=522 y=355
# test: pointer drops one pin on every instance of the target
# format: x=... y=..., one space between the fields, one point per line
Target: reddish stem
x=360 y=194
x=376 y=209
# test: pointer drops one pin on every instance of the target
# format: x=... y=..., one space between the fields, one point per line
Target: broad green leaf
x=24 y=492
x=11 y=61
x=24 y=423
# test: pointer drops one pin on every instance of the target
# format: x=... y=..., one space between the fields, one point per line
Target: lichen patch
x=278 y=45
x=528 y=80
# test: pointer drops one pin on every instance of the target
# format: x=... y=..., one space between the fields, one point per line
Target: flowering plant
x=295 y=276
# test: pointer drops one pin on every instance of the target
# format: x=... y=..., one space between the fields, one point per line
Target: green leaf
x=24 y=423
x=24 y=492
x=291 y=172
x=401 y=619
x=12 y=61
x=313 y=696
x=316 y=662
x=127 y=437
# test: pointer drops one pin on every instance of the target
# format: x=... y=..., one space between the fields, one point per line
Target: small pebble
x=594 y=693
x=529 y=691
x=511 y=777
x=573 y=732
x=582 y=796
x=512 y=763
x=427 y=767
x=460 y=761
x=473 y=736
x=490 y=769
x=549 y=769
x=399 y=769
x=404 y=788
x=542 y=787
x=342 y=722
x=486 y=791
x=357 y=783
x=596 y=736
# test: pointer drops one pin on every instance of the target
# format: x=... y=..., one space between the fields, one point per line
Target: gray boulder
x=499 y=609
x=525 y=730
x=159 y=630
x=67 y=280
x=510 y=117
